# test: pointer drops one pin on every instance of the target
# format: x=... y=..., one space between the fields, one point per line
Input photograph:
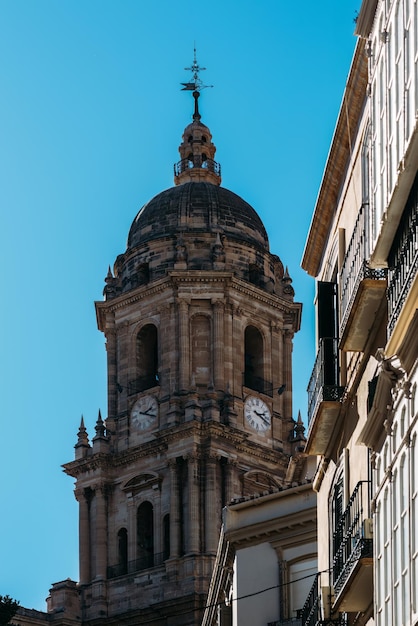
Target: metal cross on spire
x=196 y=85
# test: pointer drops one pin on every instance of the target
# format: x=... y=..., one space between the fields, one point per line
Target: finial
x=196 y=84
x=299 y=428
x=286 y=277
x=82 y=440
x=100 y=427
x=82 y=434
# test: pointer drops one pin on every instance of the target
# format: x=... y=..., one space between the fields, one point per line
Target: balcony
x=311 y=609
x=362 y=289
x=324 y=398
x=138 y=565
x=352 y=566
x=198 y=162
x=403 y=262
x=312 y=613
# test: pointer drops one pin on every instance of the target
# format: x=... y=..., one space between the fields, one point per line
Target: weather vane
x=196 y=84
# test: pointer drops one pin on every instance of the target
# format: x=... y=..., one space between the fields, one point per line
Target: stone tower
x=199 y=319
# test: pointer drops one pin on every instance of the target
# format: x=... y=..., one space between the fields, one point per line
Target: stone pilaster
x=101 y=531
x=212 y=513
x=287 y=373
x=184 y=345
x=229 y=349
x=112 y=397
x=132 y=538
x=83 y=499
x=230 y=480
x=218 y=343
x=174 y=510
x=193 y=512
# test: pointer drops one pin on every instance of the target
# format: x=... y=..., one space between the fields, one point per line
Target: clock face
x=144 y=412
x=257 y=414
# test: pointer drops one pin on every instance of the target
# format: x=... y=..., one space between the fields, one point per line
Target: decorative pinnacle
x=196 y=84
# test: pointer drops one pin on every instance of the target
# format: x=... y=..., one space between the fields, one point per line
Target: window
x=145 y=535
x=337 y=513
x=123 y=551
x=328 y=331
x=254 y=361
x=146 y=359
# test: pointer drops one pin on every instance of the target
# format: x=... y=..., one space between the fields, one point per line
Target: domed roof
x=197 y=207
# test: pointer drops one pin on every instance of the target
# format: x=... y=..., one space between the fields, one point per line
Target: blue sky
x=91 y=116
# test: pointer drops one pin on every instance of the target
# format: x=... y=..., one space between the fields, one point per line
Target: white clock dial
x=144 y=412
x=257 y=414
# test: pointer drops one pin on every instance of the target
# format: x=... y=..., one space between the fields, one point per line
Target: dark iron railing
x=196 y=161
x=257 y=384
x=310 y=611
x=403 y=259
x=131 y=567
x=355 y=267
x=350 y=540
x=325 y=374
x=142 y=383
x=292 y=621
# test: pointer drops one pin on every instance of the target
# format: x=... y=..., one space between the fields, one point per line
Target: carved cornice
x=126 y=299
x=204 y=434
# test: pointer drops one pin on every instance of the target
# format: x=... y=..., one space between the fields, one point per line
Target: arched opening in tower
x=147 y=358
x=145 y=535
x=254 y=359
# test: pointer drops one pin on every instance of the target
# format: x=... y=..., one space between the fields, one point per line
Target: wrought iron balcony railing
x=403 y=259
x=311 y=609
x=355 y=268
x=131 y=567
x=323 y=382
x=187 y=164
x=257 y=384
x=352 y=539
x=142 y=383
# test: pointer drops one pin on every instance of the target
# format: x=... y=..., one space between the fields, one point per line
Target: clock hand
x=265 y=420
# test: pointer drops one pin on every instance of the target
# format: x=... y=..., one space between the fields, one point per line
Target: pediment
x=142 y=482
x=257 y=482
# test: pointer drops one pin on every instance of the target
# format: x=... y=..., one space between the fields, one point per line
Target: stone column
x=218 y=343
x=83 y=499
x=212 y=516
x=174 y=511
x=101 y=531
x=194 y=521
x=184 y=345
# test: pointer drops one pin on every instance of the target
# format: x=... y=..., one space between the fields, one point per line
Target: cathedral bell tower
x=199 y=318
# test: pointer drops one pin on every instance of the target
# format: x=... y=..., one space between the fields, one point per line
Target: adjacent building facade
x=267 y=558
x=362 y=249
